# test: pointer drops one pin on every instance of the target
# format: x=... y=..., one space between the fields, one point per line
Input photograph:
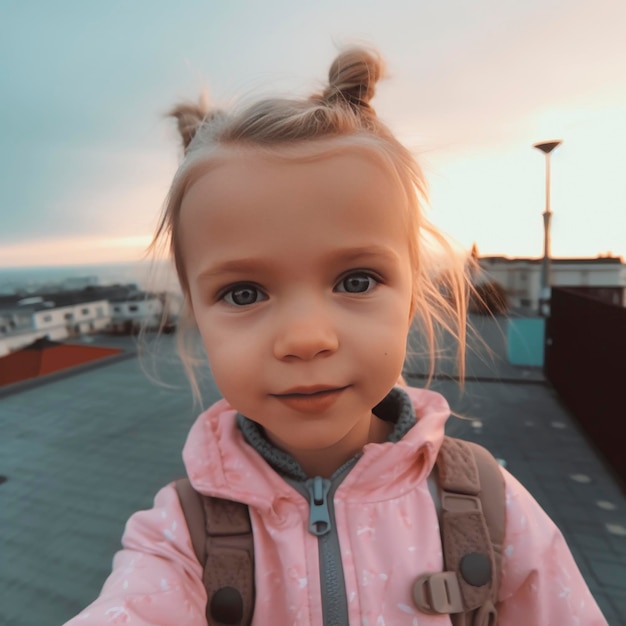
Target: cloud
x=74 y=250
x=86 y=152
x=79 y=192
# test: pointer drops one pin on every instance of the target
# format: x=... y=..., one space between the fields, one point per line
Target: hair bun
x=189 y=117
x=353 y=76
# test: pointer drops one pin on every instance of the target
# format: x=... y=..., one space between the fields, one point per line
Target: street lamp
x=546 y=278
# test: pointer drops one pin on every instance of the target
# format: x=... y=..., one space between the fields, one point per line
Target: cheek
x=233 y=354
x=397 y=336
x=395 y=349
x=228 y=370
x=388 y=341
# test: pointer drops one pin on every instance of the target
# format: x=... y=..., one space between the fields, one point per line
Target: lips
x=314 y=399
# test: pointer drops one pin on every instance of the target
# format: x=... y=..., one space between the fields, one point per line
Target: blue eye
x=359 y=282
x=243 y=295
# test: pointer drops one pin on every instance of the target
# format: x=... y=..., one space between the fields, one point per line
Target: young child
x=297 y=233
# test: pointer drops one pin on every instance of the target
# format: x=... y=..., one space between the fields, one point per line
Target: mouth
x=315 y=399
x=303 y=392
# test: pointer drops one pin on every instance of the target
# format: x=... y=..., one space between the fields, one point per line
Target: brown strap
x=222 y=539
x=493 y=500
x=191 y=504
x=472 y=508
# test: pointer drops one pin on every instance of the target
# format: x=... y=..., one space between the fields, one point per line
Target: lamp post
x=546 y=279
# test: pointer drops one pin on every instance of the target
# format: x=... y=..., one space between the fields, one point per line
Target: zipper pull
x=319 y=517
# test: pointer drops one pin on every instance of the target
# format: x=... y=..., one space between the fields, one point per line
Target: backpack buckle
x=438 y=593
x=485 y=615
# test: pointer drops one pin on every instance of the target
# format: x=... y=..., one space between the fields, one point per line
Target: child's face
x=300 y=283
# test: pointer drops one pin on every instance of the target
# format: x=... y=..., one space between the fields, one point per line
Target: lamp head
x=547 y=146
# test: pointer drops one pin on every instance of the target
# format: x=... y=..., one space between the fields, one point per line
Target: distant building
x=603 y=277
x=55 y=316
x=79 y=282
x=132 y=312
x=65 y=314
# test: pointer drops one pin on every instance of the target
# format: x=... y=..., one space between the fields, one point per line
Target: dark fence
x=585 y=360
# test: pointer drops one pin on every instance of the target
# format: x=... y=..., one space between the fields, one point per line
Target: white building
x=64 y=314
x=74 y=319
x=521 y=277
x=25 y=320
x=129 y=315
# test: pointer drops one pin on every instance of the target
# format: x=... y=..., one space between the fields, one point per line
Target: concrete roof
x=63 y=298
x=601 y=260
x=84 y=452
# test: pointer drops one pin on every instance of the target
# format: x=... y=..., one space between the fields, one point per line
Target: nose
x=305 y=334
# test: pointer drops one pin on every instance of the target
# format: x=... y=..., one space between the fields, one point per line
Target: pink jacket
x=387 y=528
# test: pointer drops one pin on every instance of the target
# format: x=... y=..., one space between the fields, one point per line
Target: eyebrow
x=231 y=267
x=363 y=252
x=245 y=265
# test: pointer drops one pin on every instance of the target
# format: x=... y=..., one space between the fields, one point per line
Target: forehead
x=256 y=204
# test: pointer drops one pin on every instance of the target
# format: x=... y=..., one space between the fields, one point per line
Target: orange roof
x=45 y=357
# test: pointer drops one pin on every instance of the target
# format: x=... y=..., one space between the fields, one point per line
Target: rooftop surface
x=80 y=454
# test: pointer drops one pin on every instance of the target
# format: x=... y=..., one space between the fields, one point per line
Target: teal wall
x=525 y=339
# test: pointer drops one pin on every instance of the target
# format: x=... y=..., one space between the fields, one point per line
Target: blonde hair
x=338 y=118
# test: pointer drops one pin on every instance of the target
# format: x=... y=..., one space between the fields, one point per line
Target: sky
x=87 y=154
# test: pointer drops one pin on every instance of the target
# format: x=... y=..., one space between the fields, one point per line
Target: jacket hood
x=221 y=463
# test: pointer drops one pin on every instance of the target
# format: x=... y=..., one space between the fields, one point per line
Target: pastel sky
x=86 y=155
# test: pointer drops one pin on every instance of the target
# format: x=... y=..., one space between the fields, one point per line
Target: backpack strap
x=472 y=524
x=221 y=536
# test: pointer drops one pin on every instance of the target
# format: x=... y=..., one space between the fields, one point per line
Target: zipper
x=320 y=493
x=319 y=514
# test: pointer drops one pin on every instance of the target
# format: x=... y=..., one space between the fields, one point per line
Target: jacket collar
x=222 y=462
